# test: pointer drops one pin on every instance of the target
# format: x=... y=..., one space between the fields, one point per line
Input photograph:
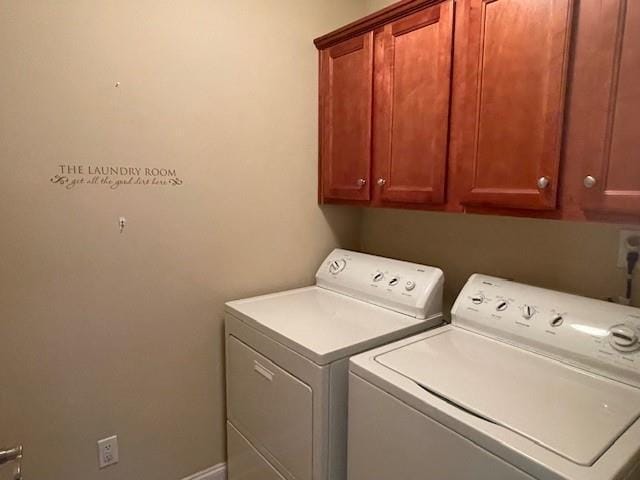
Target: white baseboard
x=217 y=472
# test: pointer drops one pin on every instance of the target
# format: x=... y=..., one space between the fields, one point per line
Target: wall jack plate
x=623 y=249
x=108 y=451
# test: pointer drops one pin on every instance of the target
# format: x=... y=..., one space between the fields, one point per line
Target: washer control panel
x=594 y=335
x=404 y=287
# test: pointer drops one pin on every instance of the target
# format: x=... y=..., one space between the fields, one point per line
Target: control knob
x=378 y=276
x=528 y=311
x=394 y=281
x=502 y=306
x=477 y=299
x=624 y=338
x=556 y=321
x=336 y=266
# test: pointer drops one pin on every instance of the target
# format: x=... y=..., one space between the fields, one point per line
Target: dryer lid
x=575 y=414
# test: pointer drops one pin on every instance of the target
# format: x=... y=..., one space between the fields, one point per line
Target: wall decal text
x=114 y=177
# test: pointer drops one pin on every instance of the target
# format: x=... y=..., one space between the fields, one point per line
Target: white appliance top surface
x=600 y=337
x=323 y=325
x=573 y=413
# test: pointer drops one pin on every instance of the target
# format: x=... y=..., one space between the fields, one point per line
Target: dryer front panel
x=271 y=408
x=244 y=462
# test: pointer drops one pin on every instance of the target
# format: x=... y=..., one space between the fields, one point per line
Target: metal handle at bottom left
x=17 y=473
x=10 y=455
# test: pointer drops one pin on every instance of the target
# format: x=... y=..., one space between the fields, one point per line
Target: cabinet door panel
x=346 y=107
x=513 y=83
x=411 y=113
x=616 y=164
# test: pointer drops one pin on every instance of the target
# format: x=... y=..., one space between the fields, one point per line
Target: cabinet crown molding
x=373 y=21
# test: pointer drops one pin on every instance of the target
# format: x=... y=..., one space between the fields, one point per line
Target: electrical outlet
x=629 y=240
x=108 y=451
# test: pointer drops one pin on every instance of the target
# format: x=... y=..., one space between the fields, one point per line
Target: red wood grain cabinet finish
x=412 y=85
x=346 y=95
x=513 y=55
x=508 y=107
x=610 y=128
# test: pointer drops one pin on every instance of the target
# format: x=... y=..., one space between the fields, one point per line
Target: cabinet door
x=610 y=126
x=346 y=84
x=411 y=106
x=513 y=66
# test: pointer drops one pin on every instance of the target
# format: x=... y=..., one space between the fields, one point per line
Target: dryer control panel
x=404 y=287
x=594 y=335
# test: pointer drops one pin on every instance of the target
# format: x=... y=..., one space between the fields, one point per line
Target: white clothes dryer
x=287 y=361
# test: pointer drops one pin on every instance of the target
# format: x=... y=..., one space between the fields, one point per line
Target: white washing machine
x=287 y=361
x=525 y=383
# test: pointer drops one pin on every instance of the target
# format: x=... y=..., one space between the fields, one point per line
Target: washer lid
x=323 y=325
x=570 y=412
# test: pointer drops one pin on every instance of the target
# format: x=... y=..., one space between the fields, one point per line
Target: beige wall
x=574 y=257
x=103 y=333
x=373 y=5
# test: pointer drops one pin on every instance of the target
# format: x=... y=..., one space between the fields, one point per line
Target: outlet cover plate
x=622 y=246
x=108 y=451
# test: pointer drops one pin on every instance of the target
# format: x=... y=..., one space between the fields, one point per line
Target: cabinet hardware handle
x=589 y=181
x=262 y=371
x=543 y=182
x=10 y=454
x=381 y=182
x=361 y=182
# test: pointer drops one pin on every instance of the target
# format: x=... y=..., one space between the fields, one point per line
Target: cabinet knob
x=543 y=182
x=381 y=182
x=589 y=181
x=361 y=182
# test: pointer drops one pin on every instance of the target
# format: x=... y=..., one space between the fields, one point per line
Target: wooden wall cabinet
x=513 y=61
x=412 y=85
x=384 y=107
x=346 y=97
x=604 y=128
x=517 y=107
